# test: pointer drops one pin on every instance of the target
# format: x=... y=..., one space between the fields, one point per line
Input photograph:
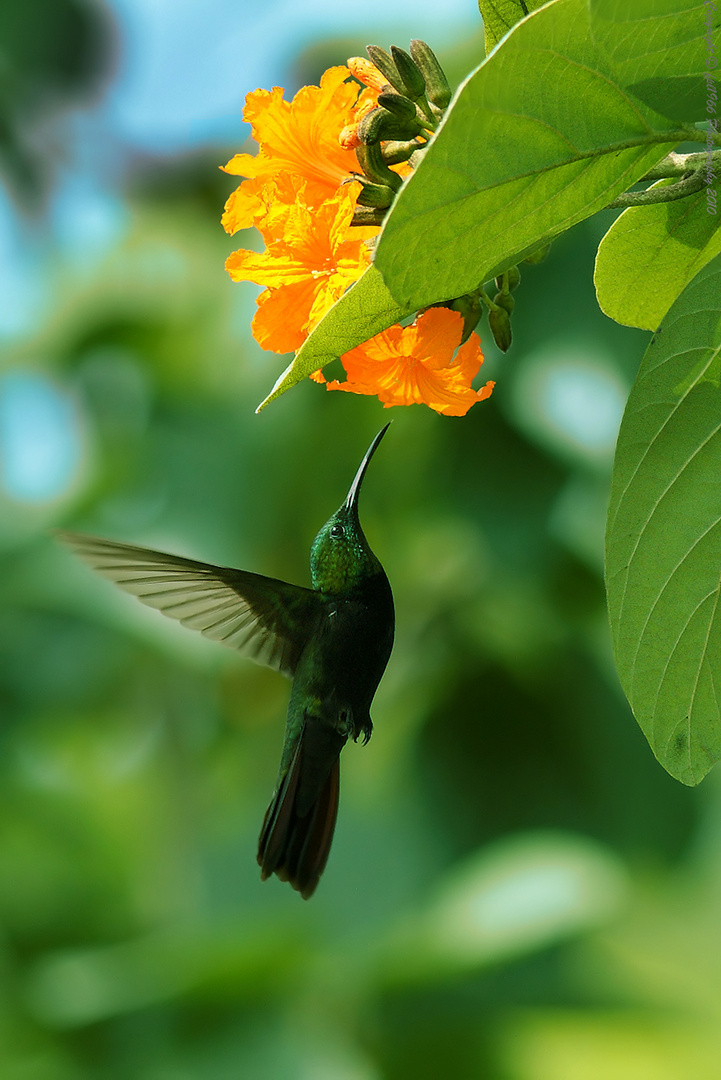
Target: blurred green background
x=517 y=891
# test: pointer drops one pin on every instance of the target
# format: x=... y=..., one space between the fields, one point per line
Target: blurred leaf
x=83 y=986
x=508 y=899
x=663 y=546
x=650 y=254
x=533 y=165
x=52 y=52
x=557 y=1044
x=668 y=949
x=568 y=398
x=522 y=893
x=66 y=56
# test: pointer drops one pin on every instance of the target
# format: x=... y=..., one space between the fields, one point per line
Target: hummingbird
x=333 y=640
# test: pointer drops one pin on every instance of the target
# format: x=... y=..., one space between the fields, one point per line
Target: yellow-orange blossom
x=298 y=196
x=414 y=365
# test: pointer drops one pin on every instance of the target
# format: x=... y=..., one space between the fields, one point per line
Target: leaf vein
x=672 y=481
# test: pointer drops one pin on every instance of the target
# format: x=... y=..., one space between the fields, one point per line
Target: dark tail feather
x=299 y=823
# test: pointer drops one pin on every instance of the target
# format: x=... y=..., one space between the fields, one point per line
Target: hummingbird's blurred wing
x=267 y=620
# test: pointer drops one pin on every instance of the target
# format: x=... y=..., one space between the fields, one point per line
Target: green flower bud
x=379 y=195
x=371 y=162
x=500 y=324
x=512 y=277
x=368 y=215
x=395 y=151
x=505 y=300
x=438 y=91
x=469 y=305
x=538 y=255
x=370 y=128
x=398 y=104
x=385 y=65
x=410 y=74
x=381 y=125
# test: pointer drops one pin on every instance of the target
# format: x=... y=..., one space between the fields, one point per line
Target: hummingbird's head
x=340 y=557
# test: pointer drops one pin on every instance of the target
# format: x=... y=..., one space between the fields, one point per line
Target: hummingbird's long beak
x=351 y=502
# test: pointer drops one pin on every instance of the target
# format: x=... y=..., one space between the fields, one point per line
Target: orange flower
x=298 y=194
x=300 y=138
x=415 y=365
x=307 y=265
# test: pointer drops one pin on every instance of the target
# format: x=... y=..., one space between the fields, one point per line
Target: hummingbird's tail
x=299 y=823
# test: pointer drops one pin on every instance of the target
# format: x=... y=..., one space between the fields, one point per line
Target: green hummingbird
x=332 y=640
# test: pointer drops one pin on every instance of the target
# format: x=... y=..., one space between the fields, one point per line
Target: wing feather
x=267 y=620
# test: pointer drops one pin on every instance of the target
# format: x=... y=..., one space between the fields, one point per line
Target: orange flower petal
x=279 y=323
x=305 y=272
x=301 y=136
x=416 y=365
x=243 y=207
x=243 y=165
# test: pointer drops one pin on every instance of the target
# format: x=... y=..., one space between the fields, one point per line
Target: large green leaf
x=500 y=16
x=663 y=545
x=539 y=137
x=361 y=313
x=658 y=51
x=650 y=254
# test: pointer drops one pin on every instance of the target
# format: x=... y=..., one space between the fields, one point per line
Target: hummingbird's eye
x=336 y=531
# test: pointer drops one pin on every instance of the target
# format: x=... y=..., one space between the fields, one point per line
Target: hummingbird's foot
x=364 y=728
x=349 y=727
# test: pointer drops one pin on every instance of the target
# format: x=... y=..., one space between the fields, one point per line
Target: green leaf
x=500 y=16
x=663 y=542
x=363 y=311
x=658 y=51
x=539 y=138
x=650 y=254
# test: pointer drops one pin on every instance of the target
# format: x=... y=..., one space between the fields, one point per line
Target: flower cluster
x=296 y=195
x=317 y=211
